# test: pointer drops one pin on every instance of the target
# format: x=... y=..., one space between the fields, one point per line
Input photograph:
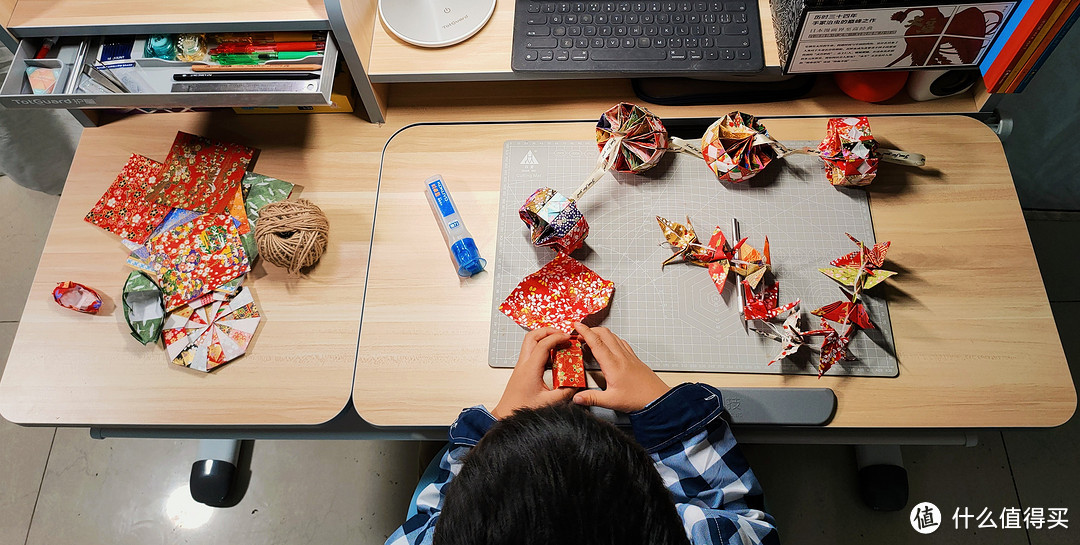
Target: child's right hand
x=631 y=385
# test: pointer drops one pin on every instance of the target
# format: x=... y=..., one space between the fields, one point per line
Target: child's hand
x=526 y=388
x=631 y=385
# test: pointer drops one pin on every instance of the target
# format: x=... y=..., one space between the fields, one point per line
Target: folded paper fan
x=737 y=146
x=204 y=336
x=562 y=292
x=631 y=137
x=849 y=151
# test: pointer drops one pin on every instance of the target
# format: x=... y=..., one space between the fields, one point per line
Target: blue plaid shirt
x=715 y=492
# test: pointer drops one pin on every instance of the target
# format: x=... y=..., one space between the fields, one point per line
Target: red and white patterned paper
x=124 y=209
x=196 y=257
x=562 y=292
x=201 y=174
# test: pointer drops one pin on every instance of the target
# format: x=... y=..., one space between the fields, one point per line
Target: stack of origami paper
x=562 y=292
x=188 y=223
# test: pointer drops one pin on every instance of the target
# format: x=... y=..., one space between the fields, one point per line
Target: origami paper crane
x=765 y=307
x=848 y=151
x=752 y=264
x=204 y=337
x=554 y=220
x=790 y=334
x=685 y=241
x=259 y=191
x=737 y=146
x=568 y=366
x=720 y=265
x=144 y=309
x=196 y=257
x=124 y=209
x=860 y=269
x=833 y=348
x=845 y=312
x=77 y=297
x=201 y=174
x=562 y=292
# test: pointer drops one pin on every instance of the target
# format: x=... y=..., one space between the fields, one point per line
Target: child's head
x=557 y=475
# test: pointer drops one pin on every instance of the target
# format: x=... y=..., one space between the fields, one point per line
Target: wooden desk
x=67 y=368
x=977 y=342
x=974 y=333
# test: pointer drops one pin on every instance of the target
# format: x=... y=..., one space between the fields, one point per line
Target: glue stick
x=462 y=246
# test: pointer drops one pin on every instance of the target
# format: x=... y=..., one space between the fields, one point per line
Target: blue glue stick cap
x=467 y=256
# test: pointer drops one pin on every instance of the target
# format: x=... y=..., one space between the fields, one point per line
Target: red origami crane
x=846 y=312
x=764 y=307
x=723 y=255
x=790 y=334
x=833 y=348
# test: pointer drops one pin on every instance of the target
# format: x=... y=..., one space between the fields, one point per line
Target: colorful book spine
x=1031 y=54
x=1003 y=36
x=1037 y=32
x=1025 y=31
x=1049 y=49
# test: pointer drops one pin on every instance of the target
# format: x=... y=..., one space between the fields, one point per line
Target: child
x=538 y=470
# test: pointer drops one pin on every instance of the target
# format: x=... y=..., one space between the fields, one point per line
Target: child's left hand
x=526 y=388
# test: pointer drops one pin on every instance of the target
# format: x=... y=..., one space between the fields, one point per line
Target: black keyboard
x=637 y=37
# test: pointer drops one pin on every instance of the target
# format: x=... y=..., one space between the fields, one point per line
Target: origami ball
x=554 y=220
x=640 y=139
x=736 y=147
x=848 y=151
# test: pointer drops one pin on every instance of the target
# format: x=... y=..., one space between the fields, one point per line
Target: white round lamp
x=435 y=23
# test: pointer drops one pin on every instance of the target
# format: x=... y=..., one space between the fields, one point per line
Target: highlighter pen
x=462 y=246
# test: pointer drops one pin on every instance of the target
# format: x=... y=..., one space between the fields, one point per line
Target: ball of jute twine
x=292 y=234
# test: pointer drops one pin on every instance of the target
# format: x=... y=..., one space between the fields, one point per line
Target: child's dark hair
x=557 y=475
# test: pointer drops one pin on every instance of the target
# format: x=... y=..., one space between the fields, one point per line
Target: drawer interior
x=140 y=80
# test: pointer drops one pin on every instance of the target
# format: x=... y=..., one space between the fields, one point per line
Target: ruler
x=245 y=86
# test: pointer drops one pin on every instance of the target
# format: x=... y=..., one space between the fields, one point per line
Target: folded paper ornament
x=203 y=335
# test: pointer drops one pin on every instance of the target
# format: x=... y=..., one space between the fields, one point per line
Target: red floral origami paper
x=77 y=297
x=846 y=312
x=124 y=209
x=562 y=292
x=737 y=146
x=764 y=307
x=833 y=348
x=196 y=257
x=635 y=138
x=860 y=269
x=201 y=174
x=848 y=151
x=568 y=366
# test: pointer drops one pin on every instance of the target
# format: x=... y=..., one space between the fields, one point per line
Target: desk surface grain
x=974 y=333
x=67 y=368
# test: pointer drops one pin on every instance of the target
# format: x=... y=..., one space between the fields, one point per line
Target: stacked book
x=1025 y=42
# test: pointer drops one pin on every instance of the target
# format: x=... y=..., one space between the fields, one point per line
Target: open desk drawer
x=157 y=75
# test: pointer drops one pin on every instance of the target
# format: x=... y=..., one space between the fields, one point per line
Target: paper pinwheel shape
x=630 y=138
x=848 y=151
x=562 y=292
x=207 y=336
x=77 y=297
x=833 y=348
x=846 y=312
x=752 y=264
x=764 y=307
x=860 y=269
x=568 y=366
x=737 y=146
x=789 y=334
x=554 y=220
x=144 y=309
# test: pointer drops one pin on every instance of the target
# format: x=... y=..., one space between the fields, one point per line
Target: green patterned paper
x=259 y=191
x=144 y=309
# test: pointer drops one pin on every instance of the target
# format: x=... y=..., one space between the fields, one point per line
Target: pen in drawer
x=245 y=76
x=255 y=67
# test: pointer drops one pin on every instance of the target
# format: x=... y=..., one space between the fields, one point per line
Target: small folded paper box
x=848 y=151
x=568 y=366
